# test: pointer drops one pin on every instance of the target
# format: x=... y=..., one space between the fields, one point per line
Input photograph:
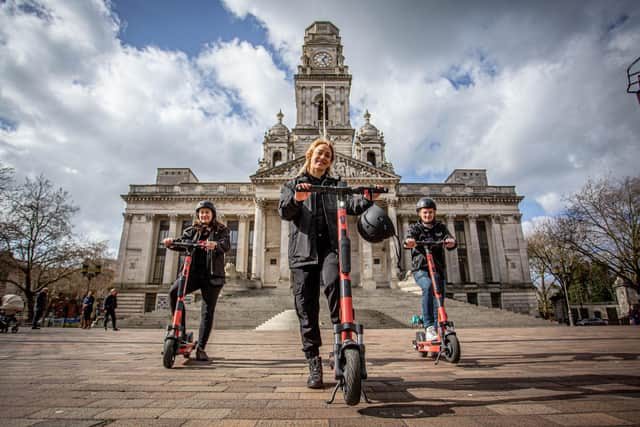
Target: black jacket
x=41 y=301
x=215 y=258
x=110 y=302
x=302 y=233
x=419 y=231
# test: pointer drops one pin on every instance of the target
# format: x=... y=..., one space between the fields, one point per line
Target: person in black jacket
x=207 y=267
x=40 y=307
x=313 y=247
x=428 y=228
x=110 y=305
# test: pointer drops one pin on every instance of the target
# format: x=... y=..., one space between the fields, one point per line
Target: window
x=321 y=109
x=462 y=251
x=277 y=158
x=472 y=298
x=496 y=300
x=161 y=252
x=371 y=158
x=149 y=302
x=250 y=254
x=485 y=258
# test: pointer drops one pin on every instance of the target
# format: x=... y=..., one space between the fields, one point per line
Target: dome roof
x=368 y=130
x=279 y=129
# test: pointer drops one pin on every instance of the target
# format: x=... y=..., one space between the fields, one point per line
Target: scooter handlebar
x=428 y=243
x=330 y=189
x=189 y=245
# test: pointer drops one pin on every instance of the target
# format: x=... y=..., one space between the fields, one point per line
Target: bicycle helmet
x=374 y=225
x=206 y=204
x=425 y=202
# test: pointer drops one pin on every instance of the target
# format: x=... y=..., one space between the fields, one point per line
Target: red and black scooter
x=447 y=344
x=348 y=357
x=178 y=341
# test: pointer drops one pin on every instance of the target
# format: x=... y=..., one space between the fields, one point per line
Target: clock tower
x=322 y=63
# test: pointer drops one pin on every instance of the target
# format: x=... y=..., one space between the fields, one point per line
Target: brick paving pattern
x=506 y=377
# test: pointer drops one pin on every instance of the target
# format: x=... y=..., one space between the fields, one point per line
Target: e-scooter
x=348 y=356
x=178 y=341
x=447 y=343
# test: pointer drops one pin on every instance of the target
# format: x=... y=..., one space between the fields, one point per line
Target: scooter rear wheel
x=169 y=353
x=352 y=379
x=452 y=349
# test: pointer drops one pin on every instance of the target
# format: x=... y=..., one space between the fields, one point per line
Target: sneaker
x=201 y=355
x=315 y=372
x=35 y=327
x=432 y=335
x=116 y=329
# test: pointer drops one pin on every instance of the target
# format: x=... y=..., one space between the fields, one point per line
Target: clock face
x=321 y=59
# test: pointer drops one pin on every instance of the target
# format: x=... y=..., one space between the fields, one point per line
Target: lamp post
x=90 y=271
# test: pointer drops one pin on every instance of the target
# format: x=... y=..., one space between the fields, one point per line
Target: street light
x=90 y=271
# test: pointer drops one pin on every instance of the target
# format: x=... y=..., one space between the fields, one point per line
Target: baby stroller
x=11 y=312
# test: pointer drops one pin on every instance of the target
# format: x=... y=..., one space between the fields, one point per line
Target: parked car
x=592 y=322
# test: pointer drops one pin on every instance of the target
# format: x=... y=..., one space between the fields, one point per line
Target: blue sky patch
x=8 y=125
x=183 y=26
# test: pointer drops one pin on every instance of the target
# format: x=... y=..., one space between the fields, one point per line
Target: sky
x=96 y=95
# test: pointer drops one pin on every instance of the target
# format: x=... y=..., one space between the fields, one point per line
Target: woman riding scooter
x=207 y=268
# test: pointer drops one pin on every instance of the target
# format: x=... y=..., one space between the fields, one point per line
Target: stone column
x=243 y=246
x=171 y=257
x=499 y=260
x=522 y=245
x=258 y=241
x=284 y=254
x=366 y=266
x=151 y=242
x=391 y=244
x=475 y=267
x=451 y=256
x=122 y=250
x=406 y=254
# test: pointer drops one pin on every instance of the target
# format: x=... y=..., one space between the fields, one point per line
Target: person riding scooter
x=428 y=228
x=207 y=268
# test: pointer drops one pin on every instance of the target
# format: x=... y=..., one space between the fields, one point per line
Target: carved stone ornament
x=344 y=166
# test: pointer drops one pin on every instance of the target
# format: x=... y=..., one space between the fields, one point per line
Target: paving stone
x=559 y=378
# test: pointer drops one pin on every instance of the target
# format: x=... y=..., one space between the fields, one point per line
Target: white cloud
x=541 y=105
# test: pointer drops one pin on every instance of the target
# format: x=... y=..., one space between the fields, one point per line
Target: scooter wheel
x=452 y=349
x=352 y=379
x=169 y=353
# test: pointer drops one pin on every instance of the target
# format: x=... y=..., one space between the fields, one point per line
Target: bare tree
x=602 y=223
x=552 y=257
x=35 y=229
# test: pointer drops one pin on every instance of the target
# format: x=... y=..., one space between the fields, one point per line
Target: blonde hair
x=309 y=153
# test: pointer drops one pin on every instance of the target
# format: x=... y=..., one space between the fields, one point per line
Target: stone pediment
x=344 y=166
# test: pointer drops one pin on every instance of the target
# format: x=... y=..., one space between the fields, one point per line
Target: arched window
x=277 y=158
x=321 y=108
x=371 y=158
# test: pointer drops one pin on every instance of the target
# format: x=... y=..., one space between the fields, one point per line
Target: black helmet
x=374 y=225
x=425 y=202
x=206 y=204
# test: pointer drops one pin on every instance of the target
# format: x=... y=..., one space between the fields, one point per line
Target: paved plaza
x=532 y=376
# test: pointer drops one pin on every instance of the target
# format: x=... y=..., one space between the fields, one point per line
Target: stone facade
x=490 y=266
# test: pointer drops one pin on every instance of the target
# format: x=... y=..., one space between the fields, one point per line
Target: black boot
x=201 y=355
x=315 y=372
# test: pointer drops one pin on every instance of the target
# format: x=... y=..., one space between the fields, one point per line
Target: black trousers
x=306 y=289
x=110 y=312
x=210 y=293
x=36 y=317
